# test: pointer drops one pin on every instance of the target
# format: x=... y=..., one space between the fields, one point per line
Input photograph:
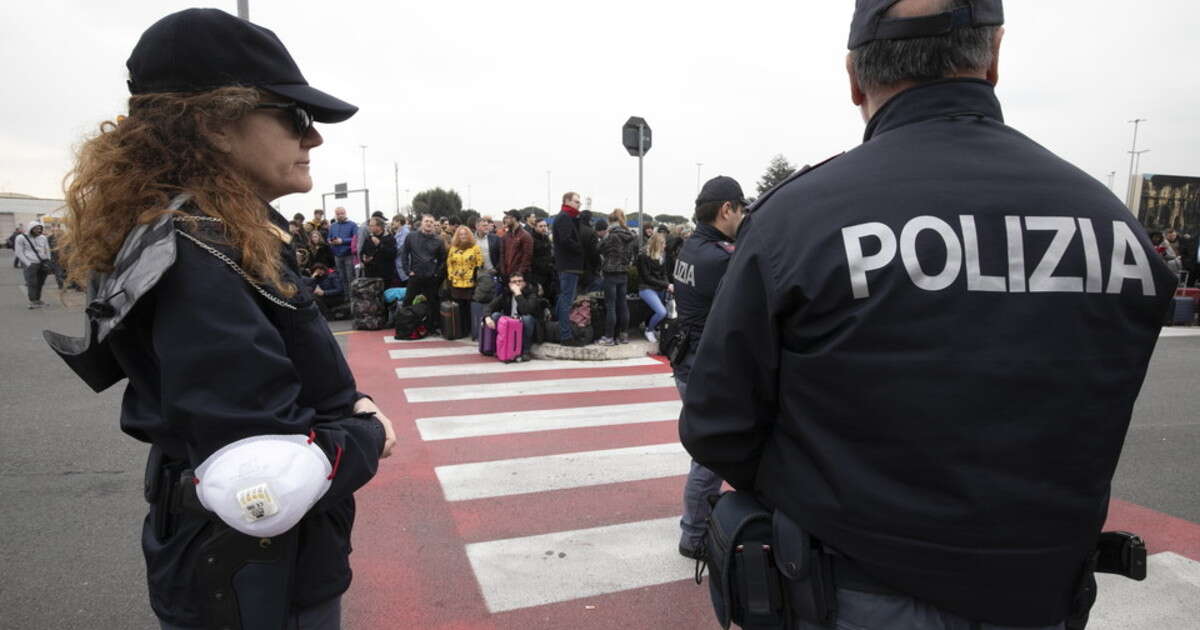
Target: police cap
x=721 y=188
x=870 y=21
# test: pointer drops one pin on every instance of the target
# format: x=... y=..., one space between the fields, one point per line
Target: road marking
x=1182 y=331
x=391 y=338
x=479 y=425
x=499 y=391
x=525 y=475
x=496 y=367
x=425 y=353
x=536 y=570
x=1167 y=599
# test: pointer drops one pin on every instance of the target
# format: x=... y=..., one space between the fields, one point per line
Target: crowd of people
x=584 y=256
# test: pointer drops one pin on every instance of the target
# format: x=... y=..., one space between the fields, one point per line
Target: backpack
x=581 y=313
x=412 y=321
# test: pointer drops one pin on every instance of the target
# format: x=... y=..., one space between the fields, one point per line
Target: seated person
x=520 y=302
x=326 y=288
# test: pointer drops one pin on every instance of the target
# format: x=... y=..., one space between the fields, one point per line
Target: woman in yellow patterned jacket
x=462 y=263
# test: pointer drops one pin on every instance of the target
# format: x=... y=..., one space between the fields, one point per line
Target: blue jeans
x=615 y=286
x=528 y=323
x=656 y=300
x=567 y=282
x=701 y=482
x=345 y=269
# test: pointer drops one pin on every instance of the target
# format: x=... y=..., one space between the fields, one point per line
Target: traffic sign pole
x=641 y=154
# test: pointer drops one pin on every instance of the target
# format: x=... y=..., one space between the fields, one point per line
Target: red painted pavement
x=411 y=569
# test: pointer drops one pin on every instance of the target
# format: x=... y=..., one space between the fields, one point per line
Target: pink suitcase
x=509 y=333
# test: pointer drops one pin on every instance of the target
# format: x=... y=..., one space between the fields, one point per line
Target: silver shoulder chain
x=229 y=261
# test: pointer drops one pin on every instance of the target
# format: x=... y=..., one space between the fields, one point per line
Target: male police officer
x=926 y=352
x=698 y=270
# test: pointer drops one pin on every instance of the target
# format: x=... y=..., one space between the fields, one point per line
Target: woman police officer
x=259 y=437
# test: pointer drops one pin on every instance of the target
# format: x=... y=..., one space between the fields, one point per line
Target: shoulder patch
x=794 y=176
x=726 y=245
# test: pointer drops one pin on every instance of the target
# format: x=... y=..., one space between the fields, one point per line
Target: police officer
x=925 y=352
x=698 y=271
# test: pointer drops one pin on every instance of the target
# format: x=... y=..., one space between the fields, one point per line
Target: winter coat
x=345 y=231
x=543 y=256
x=517 y=252
x=379 y=261
x=461 y=266
x=568 y=249
x=652 y=274
x=618 y=250
x=423 y=255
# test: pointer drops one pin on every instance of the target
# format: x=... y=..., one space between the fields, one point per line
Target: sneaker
x=33 y=305
x=694 y=553
x=606 y=341
x=651 y=337
x=624 y=338
x=523 y=358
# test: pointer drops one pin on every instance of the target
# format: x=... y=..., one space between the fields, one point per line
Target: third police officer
x=699 y=268
x=926 y=352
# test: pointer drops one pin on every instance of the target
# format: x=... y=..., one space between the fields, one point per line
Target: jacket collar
x=947 y=98
x=710 y=233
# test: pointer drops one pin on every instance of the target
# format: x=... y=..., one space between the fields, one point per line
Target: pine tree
x=778 y=170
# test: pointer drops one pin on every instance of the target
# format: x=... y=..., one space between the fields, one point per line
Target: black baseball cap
x=721 y=188
x=197 y=50
x=870 y=23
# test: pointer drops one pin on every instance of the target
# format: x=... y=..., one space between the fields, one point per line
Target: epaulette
x=793 y=177
x=726 y=245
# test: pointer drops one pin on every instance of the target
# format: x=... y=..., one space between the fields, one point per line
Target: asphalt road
x=70 y=481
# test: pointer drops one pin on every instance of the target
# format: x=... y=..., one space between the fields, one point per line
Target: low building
x=17 y=209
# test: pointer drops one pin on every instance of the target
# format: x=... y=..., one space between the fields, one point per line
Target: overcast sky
x=486 y=97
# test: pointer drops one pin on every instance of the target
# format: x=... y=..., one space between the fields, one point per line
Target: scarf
x=572 y=212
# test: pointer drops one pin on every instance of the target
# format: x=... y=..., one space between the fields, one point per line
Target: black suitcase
x=1181 y=312
x=454 y=325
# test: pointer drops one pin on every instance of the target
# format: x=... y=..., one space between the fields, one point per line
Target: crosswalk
x=539 y=459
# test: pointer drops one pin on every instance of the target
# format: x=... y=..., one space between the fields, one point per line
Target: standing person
x=618 y=249
x=56 y=266
x=674 y=243
x=423 y=257
x=220 y=123
x=869 y=368
x=341 y=233
x=517 y=248
x=647 y=232
x=531 y=221
x=568 y=262
x=1172 y=251
x=489 y=244
x=590 y=233
x=462 y=266
x=541 y=272
x=699 y=270
x=518 y=302
x=378 y=252
x=653 y=283
x=33 y=251
x=400 y=232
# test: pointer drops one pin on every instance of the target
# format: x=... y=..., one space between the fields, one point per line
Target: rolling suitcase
x=366 y=304
x=509 y=333
x=487 y=340
x=1181 y=312
x=453 y=325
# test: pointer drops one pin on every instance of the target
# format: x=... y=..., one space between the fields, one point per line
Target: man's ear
x=993 y=73
x=857 y=96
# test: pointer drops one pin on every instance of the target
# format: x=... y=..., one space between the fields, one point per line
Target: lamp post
x=698 y=165
x=1132 y=156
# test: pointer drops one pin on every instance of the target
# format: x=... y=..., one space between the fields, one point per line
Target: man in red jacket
x=516 y=248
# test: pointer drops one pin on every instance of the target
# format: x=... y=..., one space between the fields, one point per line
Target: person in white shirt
x=33 y=250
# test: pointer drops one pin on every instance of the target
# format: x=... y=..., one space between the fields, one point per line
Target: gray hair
x=883 y=63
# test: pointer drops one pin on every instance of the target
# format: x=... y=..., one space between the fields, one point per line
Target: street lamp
x=1132 y=155
x=698 y=165
x=364 y=156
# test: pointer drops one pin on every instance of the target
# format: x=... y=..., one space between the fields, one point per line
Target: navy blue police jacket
x=210 y=361
x=927 y=351
x=701 y=264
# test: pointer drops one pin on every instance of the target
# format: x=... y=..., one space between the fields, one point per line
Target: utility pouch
x=743 y=583
x=161 y=478
x=1122 y=553
x=247 y=581
x=807 y=571
x=678 y=349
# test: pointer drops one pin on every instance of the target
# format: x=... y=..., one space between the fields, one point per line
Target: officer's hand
x=671 y=288
x=366 y=405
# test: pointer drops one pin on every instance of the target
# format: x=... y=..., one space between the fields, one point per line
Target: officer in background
x=698 y=271
x=926 y=351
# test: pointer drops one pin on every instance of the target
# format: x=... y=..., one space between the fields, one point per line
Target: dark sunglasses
x=301 y=118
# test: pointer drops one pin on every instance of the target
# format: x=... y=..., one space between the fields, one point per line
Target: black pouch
x=678 y=348
x=743 y=581
x=807 y=572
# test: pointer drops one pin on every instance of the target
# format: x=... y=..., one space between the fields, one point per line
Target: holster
x=1119 y=553
x=246 y=581
x=678 y=347
x=807 y=569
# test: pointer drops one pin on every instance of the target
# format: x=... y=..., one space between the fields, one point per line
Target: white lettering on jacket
x=965 y=252
x=685 y=273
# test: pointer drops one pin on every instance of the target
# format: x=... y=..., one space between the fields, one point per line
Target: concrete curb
x=632 y=350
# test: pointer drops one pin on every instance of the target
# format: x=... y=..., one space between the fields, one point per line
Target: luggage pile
x=366 y=304
x=1183 y=308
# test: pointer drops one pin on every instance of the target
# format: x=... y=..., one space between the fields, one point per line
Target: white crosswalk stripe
x=426 y=353
x=498 y=391
x=1181 y=331
x=1167 y=599
x=525 y=475
x=496 y=367
x=479 y=425
x=536 y=570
